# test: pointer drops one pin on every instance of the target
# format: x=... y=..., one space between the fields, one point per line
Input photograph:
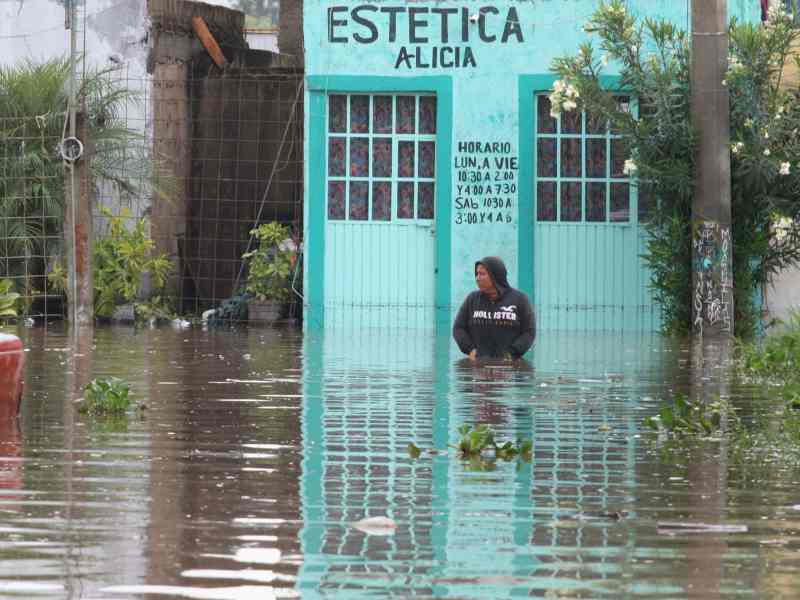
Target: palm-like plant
x=33 y=120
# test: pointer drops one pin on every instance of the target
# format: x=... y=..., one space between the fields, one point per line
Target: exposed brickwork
x=290 y=36
x=172 y=37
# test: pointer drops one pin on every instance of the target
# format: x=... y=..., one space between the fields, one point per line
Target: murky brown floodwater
x=259 y=448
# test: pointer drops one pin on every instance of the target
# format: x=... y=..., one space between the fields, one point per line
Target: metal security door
x=379 y=232
x=588 y=273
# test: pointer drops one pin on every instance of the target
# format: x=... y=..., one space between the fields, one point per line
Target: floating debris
x=598 y=516
x=376 y=526
x=676 y=528
x=602 y=516
x=413 y=450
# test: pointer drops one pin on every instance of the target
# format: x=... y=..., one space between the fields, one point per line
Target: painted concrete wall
x=484 y=54
x=783 y=294
x=112 y=34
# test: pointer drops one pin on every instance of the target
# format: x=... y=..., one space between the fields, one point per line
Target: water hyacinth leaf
x=525 y=448
x=475 y=442
x=653 y=422
x=667 y=417
x=108 y=395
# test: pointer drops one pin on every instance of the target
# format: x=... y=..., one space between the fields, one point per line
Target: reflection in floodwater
x=10 y=465
x=260 y=449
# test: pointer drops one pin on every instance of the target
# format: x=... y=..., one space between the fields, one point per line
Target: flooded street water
x=259 y=448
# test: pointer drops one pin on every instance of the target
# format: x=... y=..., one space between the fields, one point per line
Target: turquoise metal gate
x=587 y=237
x=379 y=232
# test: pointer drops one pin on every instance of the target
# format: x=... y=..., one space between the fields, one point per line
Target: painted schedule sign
x=486 y=183
x=426 y=36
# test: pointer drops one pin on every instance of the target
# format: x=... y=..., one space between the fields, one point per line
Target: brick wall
x=290 y=36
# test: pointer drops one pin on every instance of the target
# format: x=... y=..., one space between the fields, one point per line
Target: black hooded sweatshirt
x=505 y=327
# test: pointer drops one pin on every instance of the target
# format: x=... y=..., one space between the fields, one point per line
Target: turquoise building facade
x=430 y=144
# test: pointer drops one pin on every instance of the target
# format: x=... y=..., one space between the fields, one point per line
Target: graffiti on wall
x=713 y=284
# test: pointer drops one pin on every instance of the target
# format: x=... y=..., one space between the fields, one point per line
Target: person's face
x=483 y=279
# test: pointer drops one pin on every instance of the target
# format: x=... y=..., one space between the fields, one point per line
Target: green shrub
x=775 y=360
x=121 y=259
x=33 y=102
x=8 y=299
x=654 y=61
x=270 y=264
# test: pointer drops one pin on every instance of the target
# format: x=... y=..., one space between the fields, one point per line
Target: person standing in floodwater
x=496 y=320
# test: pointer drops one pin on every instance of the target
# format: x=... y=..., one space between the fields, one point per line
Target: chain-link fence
x=32 y=189
x=190 y=161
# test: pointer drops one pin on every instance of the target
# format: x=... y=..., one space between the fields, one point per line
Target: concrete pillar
x=171 y=152
x=712 y=273
x=290 y=33
x=78 y=232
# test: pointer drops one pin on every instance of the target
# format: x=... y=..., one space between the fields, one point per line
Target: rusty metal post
x=78 y=233
x=712 y=272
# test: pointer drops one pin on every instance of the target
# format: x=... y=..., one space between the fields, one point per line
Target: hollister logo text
x=505 y=314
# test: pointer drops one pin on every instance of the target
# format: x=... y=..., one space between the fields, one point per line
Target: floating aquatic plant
x=478 y=441
x=414 y=450
x=683 y=416
x=108 y=395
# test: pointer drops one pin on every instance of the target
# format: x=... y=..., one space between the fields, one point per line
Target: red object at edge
x=12 y=363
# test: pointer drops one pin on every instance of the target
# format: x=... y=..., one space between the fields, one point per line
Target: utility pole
x=712 y=272
x=75 y=149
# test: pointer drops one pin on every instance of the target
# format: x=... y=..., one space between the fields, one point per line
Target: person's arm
x=523 y=342
x=460 y=331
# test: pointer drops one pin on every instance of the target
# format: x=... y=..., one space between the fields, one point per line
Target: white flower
x=781 y=109
x=562 y=99
x=781 y=227
x=571 y=91
x=766 y=134
x=288 y=245
x=737 y=147
x=748 y=122
x=775 y=12
x=630 y=167
x=767 y=152
x=785 y=167
x=725 y=83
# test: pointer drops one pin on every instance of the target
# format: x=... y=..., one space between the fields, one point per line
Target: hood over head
x=497 y=269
